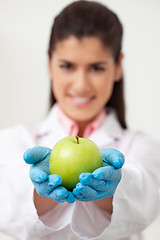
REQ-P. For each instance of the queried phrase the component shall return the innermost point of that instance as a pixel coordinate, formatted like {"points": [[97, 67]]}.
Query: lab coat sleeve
{"points": [[19, 217], [136, 200]]}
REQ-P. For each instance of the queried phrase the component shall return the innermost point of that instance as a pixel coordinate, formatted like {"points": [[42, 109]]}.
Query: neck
{"points": [[82, 126]]}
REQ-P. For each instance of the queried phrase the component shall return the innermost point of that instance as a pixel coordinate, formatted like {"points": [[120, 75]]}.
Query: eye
{"points": [[97, 68], [66, 66]]}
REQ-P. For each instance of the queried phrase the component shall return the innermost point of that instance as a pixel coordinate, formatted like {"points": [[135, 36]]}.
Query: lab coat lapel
{"points": [[109, 132], [50, 131]]}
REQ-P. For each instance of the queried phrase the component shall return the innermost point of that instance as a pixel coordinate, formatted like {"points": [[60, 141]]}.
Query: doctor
{"points": [[116, 201]]}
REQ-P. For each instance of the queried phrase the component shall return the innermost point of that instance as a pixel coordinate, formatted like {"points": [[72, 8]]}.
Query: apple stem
{"points": [[77, 137]]}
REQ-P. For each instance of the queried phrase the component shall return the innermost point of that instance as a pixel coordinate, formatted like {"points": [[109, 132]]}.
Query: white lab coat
{"points": [[135, 202]]}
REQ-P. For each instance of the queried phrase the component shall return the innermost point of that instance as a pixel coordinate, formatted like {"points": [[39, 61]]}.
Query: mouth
{"points": [[81, 101]]}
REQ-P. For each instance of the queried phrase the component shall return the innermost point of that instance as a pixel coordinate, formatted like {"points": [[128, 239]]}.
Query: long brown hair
{"points": [[86, 18]]}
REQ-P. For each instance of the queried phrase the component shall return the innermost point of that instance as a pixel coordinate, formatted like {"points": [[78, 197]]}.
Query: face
{"points": [[83, 74]]}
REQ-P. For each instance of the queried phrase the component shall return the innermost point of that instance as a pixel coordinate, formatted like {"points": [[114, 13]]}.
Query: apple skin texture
{"points": [[69, 159]]}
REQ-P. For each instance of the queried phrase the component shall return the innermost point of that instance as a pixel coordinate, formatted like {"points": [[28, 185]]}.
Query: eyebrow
{"points": [[101, 63], [92, 63]]}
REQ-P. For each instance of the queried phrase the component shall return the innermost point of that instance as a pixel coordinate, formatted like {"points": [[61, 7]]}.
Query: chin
{"points": [[83, 117]]}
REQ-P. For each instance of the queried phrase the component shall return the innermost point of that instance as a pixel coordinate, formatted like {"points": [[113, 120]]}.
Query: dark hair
{"points": [[84, 19]]}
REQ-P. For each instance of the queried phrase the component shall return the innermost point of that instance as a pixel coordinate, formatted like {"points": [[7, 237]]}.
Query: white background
{"points": [[24, 81]]}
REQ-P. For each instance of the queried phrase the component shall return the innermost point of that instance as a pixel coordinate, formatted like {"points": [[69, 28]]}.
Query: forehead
{"points": [[86, 48]]}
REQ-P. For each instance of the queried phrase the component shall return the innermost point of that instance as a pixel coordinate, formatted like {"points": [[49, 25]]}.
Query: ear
{"points": [[118, 72]]}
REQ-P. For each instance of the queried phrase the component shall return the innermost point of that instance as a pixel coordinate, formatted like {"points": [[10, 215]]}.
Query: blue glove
{"points": [[46, 185], [103, 182]]}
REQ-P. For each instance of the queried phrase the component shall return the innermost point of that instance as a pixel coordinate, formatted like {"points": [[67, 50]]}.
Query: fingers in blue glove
{"points": [[86, 193], [70, 198], [83, 190], [113, 157], [103, 182], [107, 173], [36, 154], [61, 194], [39, 158], [54, 180], [50, 188], [89, 180], [47, 186], [38, 175], [43, 189]]}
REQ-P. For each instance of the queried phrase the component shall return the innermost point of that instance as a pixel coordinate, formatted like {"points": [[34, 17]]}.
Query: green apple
{"points": [[72, 156]]}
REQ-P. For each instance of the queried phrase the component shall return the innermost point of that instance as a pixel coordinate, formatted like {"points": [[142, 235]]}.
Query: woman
{"points": [[85, 65]]}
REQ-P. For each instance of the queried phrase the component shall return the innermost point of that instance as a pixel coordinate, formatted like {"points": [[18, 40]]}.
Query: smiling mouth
{"points": [[81, 101]]}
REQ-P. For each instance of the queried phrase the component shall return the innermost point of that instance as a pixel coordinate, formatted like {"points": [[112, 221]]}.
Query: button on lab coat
{"points": [[135, 203]]}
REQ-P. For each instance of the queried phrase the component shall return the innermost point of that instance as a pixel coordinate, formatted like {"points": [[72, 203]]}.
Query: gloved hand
{"points": [[103, 182], [46, 184]]}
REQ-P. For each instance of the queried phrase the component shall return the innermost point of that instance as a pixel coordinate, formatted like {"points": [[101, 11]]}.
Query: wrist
{"points": [[43, 204], [105, 204]]}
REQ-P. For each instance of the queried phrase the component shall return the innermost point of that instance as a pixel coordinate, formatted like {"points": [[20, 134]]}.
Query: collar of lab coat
{"points": [[108, 132]]}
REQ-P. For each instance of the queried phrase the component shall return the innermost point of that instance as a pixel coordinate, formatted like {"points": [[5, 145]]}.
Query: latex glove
{"points": [[46, 184], [103, 182]]}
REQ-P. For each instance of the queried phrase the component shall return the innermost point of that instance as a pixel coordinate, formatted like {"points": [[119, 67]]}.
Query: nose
{"points": [[82, 82]]}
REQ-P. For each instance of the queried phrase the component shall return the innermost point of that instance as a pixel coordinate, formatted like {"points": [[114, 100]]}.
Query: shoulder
{"points": [[138, 139], [15, 134], [14, 141], [140, 147], [129, 138]]}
